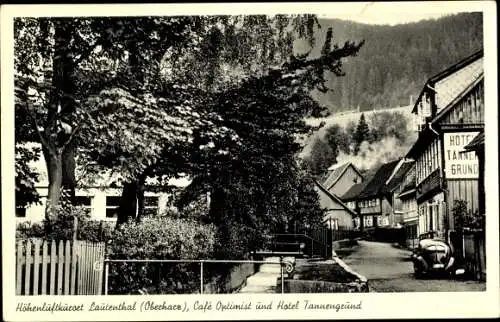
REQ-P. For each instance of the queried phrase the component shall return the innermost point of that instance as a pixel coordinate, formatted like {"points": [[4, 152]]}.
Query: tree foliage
{"points": [[160, 96], [362, 133], [397, 59]]}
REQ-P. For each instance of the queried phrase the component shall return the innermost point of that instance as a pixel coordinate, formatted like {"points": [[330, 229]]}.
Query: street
{"points": [[389, 269]]}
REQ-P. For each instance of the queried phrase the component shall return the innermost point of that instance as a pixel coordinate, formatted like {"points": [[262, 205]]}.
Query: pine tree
{"points": [[362, 133]]}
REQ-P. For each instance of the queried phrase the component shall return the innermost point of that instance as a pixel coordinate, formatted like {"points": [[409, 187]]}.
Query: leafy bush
{"points": [[465, 218], [159, 238], [28, 229], [236, 240], [60, 226]]}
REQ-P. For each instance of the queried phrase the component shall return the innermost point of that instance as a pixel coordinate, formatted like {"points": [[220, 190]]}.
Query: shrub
{"points": [[27, 230], [236, 240], [159, 238], [466, 218], [60, 226]]}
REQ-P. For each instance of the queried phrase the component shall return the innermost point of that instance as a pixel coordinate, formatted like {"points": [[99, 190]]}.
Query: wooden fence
{"points": [[59, 268], [474, 253]]}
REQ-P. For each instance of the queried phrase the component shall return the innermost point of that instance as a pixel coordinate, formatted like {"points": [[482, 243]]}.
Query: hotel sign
{"points": [[457, 163]]}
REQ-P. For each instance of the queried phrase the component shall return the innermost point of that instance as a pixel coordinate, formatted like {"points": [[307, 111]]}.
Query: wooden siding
{"points": [[345, 182], [430, 184], [463, 189], [410, 210], [430, 160], [386, 207], [469, 110]]}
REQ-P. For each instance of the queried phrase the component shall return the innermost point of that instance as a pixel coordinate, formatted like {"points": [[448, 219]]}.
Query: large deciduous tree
{"points": [[62, 64]]}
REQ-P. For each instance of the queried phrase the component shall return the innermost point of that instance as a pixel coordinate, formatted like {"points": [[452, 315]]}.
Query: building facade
{"points": [[371, 200], [450, 113], [336, 211], [405, 193], [98, 197], [340, 178]]}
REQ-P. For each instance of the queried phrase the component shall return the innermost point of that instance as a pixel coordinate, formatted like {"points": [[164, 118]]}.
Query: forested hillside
{"points": [[395, 60]]}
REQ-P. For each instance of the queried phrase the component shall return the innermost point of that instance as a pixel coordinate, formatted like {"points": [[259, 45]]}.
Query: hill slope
{"points": [[395, 60]]}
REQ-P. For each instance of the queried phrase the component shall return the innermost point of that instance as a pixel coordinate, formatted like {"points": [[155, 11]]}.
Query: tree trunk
{"points": [[128, 203], [68, 172], [140, 198], [61, 107], [55, 169], [217, 206]]}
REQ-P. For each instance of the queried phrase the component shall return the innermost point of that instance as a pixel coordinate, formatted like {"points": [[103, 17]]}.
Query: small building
{"points": [[99, 196], [371, 199], [375, 201], [337, 214], [340, 178], [450, 113], [394, 184], [405, 193], [350, 199]]}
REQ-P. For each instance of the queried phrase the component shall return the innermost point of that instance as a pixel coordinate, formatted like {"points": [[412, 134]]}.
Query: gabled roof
{"points": [[334, 197], [476, 143], [457, 99], [448, 71], [376, 186], [400, 173], [453, 68], [335, 173], [424, 137], [354, 191]]}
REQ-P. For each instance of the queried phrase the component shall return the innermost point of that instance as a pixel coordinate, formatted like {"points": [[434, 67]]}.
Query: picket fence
{"points": [[59, 268]]}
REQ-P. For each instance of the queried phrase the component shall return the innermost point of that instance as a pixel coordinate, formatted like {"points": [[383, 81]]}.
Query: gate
{"points": [[59, 268]]}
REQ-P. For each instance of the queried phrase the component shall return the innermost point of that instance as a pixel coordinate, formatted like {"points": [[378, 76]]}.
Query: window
{"points": [[333, 223], [150, 205], [368, 221], [84, 202], [20, 212], [112, 203]]}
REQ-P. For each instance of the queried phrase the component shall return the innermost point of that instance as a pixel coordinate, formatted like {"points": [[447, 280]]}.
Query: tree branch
{"points": [[71, 137], [43, 141]]}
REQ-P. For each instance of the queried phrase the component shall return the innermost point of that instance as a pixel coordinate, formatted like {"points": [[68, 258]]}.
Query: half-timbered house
{"points": [[450, 113]]}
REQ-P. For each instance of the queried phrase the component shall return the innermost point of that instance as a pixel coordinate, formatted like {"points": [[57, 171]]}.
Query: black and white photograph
{"points": [[257, 155]]}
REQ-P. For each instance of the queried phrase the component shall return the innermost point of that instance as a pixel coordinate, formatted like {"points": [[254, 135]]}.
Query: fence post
{"points": [[75, 228], [282, 276], [106, 276], [201, 277]]}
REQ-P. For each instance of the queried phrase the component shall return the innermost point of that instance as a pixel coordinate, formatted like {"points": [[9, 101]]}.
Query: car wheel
{"points": [[417, 272]]}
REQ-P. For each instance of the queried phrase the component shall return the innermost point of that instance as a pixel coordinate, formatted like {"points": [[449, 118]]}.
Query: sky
{"points": [[384, 13]]}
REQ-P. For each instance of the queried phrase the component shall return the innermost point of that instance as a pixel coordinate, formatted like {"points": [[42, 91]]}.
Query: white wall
{"points": [[36, 213]]}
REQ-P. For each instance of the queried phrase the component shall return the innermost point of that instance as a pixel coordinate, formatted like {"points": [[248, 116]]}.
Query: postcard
{"points": [[249, 161]]}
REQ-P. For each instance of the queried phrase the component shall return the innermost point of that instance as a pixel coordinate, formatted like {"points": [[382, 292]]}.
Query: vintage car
{"points": [[434, 256]]}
